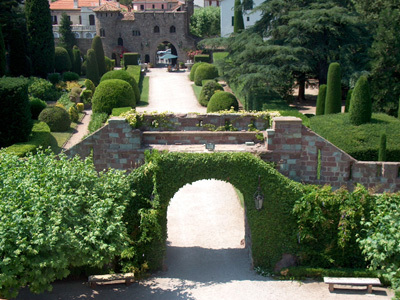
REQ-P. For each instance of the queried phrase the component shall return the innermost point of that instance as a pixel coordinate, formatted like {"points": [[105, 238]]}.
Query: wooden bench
{"points": [[369, 282], [127, 277]]}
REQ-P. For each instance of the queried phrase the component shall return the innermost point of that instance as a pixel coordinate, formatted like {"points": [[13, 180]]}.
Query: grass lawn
{"points": [[144, 91], [60, 138], [197, 90]]}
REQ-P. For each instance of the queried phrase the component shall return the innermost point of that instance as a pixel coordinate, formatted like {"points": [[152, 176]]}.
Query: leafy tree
{"points": [[20, 65], [360, 105], [97, 46], [320, 109], [333, 101], [40, 36], [92, 70], [67, 37], [382, 148], [76, 62], [205, 22], [2, 54], [238, 23]]}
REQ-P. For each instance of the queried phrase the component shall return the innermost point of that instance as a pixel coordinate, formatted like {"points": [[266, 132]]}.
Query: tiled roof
{"points": [[154, 1], [108, 6], [129, 16], [69, 4]]}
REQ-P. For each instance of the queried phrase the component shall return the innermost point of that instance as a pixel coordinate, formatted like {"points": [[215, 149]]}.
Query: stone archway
{"points": [[174, 45]]}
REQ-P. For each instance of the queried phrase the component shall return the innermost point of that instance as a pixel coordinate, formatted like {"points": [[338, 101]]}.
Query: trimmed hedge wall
{"points": [[208, 91], [131, 59], [202, 57], [193, 70], [205, 71]]}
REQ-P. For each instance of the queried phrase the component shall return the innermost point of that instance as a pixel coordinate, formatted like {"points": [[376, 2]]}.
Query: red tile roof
{"points": [[69, 4]]}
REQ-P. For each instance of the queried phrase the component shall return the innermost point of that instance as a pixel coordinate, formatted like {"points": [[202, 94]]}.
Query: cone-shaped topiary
{"points": [[398, 111], [90, 85], [77, 63], [56, 117], [92, 71], [222, 101], [112, 93], [238, 23], [125, 76], [320, 109], [193, 70], [361, 104], [348, 100], [333, 100], [208, 90], [97, 46], [205, 71], [382, 148], [2, 55], [73, 114]]}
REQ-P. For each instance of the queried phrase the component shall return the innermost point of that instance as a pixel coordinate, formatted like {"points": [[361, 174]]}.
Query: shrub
{"points": [[193, 70], [97, 46], [348, 100], [62, 61], [73, 114], [56, 117], [110, 64], [112, 93], [86, 96], [202, 58], [382, 148], [54, 78], [123, 75], [90, 85], [75, 94], [97, 120], [64, 101], [2, 55], [205, 71], [208, 90], [361, 105], [320, 109], [120, 110], [15, 113], [77, 62], [92, 71], [36, 106], [42, 89], [131, 59], [70, 76], [222, 101], [135, 72], [333, 101], [80, 107]]}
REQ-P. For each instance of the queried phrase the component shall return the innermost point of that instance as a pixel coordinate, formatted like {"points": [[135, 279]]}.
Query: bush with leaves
{"points": [[125, 76], [97, 46], [70, 76], [193, 70], [56, 117], [57, 213], [76, 60], [320, 110], [54, 78], [36, 106], [86, 96], [110, 63], [208, 90], [361, 105], [205, 71], [92, 71], [348, 100], [222, 101], [90, 85], [62, 61], [73, 114], [333, 100], [42, 89]]}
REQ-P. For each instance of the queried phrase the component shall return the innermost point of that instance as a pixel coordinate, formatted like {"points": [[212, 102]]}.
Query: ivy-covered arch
{"points": [[273, 229]]}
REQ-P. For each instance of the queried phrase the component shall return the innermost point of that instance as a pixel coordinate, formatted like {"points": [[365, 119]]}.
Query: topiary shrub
{"points": [[75, 94], [205, 71], [15, 113], [193, 70], [42, 89], [90, 85], [36, 106], [70, 76], [125, 76], [320, 109], [56, 117], [54, 78], [208, 90], [202, 57], [80, 107], [382, 148], [112, 93], [86, 96], [92, 71], [131, 59], [77, 62], [222, 101], [110, 63], [97, 46], [73, 114], [333, 101], [62, 61], [348, 100], [361, 105]]}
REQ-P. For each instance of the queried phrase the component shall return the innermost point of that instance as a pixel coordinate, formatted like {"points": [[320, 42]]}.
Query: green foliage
{"points": [[70, 76], [40, 137], [116, 112], [320, 109], [125, 76], [208, 90], [97, 46], [65, 101], [348, 100], [57, 213], [135, 72], [36, 106], [67, 37], [309, 272], [202, 58], [361, 142], [40, 36], [205, 22], [42, 89], [54, 78], [15, 114], [92, 71], [56, 117], [2, 54], [193, 70], [205, 71], [97, 121], [131, 59], [76, 60], [380, 237], [361, 106], [90, 85], [113, 93], [382, 148], [222, 101], [285, 110], [333, 100], [110, 63], [20, 65], [86, 96], [238, 23], [73, 114]]}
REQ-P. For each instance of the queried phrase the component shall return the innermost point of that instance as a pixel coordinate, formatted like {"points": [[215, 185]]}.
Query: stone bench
{"points": [[369, 282], [94, 279]]}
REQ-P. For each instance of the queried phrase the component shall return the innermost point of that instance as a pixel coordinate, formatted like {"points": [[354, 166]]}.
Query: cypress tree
{"points": [[238, 23], [348, 100], [19, 63], [398, 111], [40, 36], [92, 71], [333, 102], [97, 46], [361, 104], [321, 100], [67, 38], [76, 62], [2, 54], [382, 148]]}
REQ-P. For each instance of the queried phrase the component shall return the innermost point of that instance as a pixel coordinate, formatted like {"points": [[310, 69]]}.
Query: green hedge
{"points": [[205, 71], [222, 101], [120, 110], [361, 142], [131, 59], [126, 76], [208, 91], [97, 121], [56, 117], [202, 57], [193, 70]]}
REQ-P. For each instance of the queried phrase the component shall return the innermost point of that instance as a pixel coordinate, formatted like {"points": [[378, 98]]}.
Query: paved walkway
{"points": [[81, 130]]}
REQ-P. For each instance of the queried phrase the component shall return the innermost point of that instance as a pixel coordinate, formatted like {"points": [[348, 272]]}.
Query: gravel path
{"points": [[81, 130]]}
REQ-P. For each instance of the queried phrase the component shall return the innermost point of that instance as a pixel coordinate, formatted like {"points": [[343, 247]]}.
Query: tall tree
{"points": [[238, 23], [67, 37], [205, 22], [76, 62], [40, 36], [333, 100], [97, 46], [2, 54], [19, 62], [92, 70]]}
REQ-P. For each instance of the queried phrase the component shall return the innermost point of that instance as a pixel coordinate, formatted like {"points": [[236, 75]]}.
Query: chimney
{"points": [[75, 3]]}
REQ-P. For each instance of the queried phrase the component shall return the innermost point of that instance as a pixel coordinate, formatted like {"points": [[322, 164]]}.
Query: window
{"points": [[77, 35], [141, 7], [91, 19], [248, 19], [88, 35], [102, 32], [172, 29], [153, 6], [54, 20], [120, 42], [69, 18], [80, 20], [56, 35], [156, 29], [233, 21], [136, 32], [162, 6]]}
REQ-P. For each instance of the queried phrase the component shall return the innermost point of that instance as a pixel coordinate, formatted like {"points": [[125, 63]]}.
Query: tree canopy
{"points": [[205, 22]]}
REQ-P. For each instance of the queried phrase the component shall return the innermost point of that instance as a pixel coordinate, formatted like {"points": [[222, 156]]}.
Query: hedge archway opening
{"points": [[273, 229]]}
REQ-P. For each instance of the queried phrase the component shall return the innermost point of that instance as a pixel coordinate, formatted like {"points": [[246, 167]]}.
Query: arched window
{"points": [[91, 19], [156, 29], [56, 35], [162, 6], [120, 42], [77, 35], [88, 35], [172, 29], [136, 32], [102, 32]]}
